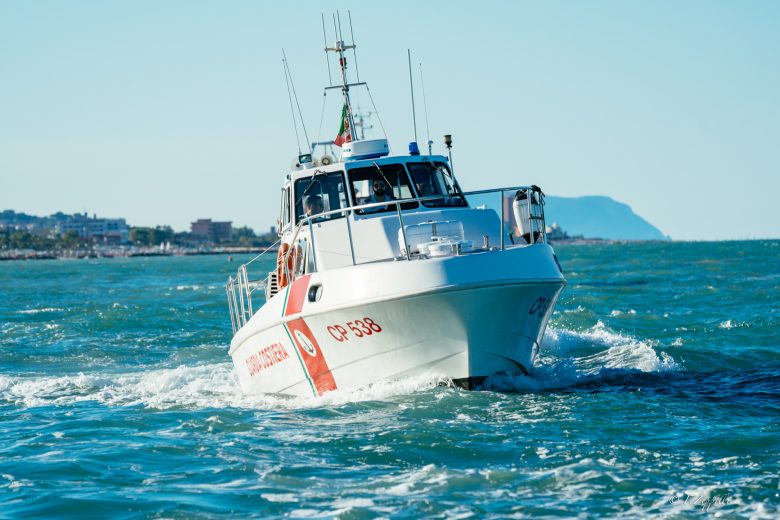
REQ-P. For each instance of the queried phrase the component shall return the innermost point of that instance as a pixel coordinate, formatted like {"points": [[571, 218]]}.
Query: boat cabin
{"points": [[378, 207]]}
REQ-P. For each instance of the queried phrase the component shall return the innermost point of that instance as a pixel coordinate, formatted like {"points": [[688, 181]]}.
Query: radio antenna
{"points": [[354, 51], [300, 114], [292, 110], [340, 48], [425, 105], [411, 87], [325, 39]]}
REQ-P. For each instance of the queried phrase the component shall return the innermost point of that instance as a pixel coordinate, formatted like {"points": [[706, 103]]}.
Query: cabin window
{"points": [[285, 216], [380, 183], [432, 179], [320, 194]]}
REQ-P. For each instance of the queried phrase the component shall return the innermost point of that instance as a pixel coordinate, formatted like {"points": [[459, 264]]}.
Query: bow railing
{"points": [[521, 221]]}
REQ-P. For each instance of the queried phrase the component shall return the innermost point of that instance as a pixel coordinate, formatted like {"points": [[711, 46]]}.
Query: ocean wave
{"points": [[732, 324], [569, 358], [41, 310], [194, 287], [201, 386], [197, 287]]}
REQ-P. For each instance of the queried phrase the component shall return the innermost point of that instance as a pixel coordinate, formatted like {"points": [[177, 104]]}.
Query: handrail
{"points": [[412, 199], [269, 248], [241, 305]]}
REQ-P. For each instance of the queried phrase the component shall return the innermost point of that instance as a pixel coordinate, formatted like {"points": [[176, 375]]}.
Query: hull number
{"points": [[354, 329]]}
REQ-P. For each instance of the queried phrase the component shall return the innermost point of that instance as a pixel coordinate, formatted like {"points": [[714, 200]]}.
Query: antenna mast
{"points": [[325, 39], [411, 87], [292, 110], [360, 122], [339, 48], [300, 114]]}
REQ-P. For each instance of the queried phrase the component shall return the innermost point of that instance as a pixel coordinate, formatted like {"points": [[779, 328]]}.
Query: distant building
{"points": [[13, 221], [113, 230], [555, 232], [211, 230]]}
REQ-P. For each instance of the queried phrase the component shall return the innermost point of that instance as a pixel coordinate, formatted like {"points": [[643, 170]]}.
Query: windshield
{"points": [[434, 179], [319, 194], [381, 183]]}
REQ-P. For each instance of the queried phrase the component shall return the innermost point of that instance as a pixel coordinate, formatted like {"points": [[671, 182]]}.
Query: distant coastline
{"points": [[124, 252], [135, 252], [30, 237]]}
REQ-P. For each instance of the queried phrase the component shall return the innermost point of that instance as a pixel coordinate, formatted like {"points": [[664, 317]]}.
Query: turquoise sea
{"points": [[657, 395]]}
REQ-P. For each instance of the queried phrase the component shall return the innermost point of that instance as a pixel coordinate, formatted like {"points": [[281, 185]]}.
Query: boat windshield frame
{"points": [[328, 187], [438, 177], [393, 175]]}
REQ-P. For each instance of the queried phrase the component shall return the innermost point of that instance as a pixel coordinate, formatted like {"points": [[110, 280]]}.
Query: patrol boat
{"points": [[386, 269]]}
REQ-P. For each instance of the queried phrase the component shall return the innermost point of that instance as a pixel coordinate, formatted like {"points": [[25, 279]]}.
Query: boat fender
{"points": [[281, 272], [326, 160]]}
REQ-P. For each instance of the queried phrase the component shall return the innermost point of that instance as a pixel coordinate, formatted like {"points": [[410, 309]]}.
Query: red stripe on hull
{"points": [[297, 294], [311, 353]]}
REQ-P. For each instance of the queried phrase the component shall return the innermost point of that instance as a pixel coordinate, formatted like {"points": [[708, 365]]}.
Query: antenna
{"points": [[425, 105], [292, 111], [354, 51], [300, 114], [411, 87], [339, 48], [325, 39], [360, 122]]}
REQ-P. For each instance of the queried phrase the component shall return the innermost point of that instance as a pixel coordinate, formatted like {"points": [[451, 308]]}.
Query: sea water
{"points": [[657, 393]]}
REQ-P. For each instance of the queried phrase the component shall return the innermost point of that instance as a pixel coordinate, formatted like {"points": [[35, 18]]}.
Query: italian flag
{"points": [[344, 134]]}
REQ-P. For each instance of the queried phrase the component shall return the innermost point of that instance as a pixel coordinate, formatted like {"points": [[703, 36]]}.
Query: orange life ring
{"points": [[281, 272]]}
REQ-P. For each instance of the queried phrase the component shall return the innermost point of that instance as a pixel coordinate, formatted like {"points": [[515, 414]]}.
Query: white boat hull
{"points": [[477, 325]]}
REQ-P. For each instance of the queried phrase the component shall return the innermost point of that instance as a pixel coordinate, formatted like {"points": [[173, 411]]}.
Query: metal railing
{"points": [[240, 288]]}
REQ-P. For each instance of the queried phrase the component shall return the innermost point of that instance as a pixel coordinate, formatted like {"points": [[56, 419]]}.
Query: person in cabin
{"points": [[380, 193], [313, 205]]}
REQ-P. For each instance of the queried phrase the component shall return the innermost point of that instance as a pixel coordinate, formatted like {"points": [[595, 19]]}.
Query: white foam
{"points": [[196, 287], [728, 324], [280, 497], [622, 351], [568, 357], [201, 386], [416, 481], [189, 287], [42, 309]]}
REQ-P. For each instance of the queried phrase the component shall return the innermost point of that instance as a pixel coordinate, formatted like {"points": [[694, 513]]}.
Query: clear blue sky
{"points": [[165, 112]]}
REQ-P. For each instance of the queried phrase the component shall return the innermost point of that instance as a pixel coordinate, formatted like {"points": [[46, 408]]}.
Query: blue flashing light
{"points": [[413, 148]]}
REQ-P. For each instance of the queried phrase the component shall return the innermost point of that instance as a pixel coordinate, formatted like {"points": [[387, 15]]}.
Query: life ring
{"points": [[281, 272]]}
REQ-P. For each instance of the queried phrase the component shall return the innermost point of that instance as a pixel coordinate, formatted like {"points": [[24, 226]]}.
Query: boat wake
{"points": [[568, 359], [192, 387], [572, 358]]}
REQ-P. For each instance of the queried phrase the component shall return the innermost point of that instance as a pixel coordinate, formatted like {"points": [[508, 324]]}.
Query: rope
{"points": [[378, 117], [322, 115]]}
